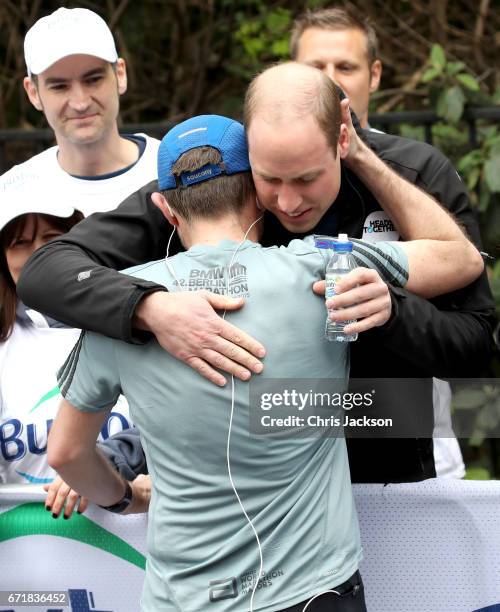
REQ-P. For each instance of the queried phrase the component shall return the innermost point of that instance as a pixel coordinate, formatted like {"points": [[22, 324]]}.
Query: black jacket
{"points": [[450, 336]]}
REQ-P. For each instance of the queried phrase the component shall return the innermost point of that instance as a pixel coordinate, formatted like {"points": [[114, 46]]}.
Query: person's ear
{"points": [[375, 74], [121, 75], [160, 202], [343, 144], [32, 92], [257, 203]]}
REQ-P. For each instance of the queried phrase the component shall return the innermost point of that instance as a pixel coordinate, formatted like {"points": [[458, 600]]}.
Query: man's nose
{"points": [[329, 70], [80, 98], [289, 199]]}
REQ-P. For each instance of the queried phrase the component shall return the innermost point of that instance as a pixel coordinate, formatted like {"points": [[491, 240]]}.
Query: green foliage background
{"points": [[191, 56]]}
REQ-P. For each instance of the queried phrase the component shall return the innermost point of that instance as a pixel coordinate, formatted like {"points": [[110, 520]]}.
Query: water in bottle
{"points": [[340, 264]]}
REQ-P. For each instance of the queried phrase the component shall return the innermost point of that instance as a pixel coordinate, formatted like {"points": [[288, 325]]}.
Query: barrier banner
{"points": [[97, 557], [432, 546]]}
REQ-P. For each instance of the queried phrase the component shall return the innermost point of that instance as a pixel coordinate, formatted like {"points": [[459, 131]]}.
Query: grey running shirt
{"points": [[202, 552]]}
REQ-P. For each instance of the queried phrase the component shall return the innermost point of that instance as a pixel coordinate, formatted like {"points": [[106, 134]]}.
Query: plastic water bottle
{"points": [[340, 264]]}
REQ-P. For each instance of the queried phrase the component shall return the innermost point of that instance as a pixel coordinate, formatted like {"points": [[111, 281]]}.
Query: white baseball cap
{"points": [[27, 193], [67, 32], [24, 207]]}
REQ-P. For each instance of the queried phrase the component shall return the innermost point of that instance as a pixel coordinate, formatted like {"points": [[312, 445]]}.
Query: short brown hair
{"points": [[209, 199], [8, 295], [323, 102], [334, 19]]}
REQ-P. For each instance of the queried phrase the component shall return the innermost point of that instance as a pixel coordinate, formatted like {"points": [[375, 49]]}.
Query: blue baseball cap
{"points": [[224, 134]]}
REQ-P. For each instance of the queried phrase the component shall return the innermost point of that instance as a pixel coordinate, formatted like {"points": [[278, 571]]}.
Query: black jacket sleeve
{"points": [[74, 278], [435, 342], [451, 335]]}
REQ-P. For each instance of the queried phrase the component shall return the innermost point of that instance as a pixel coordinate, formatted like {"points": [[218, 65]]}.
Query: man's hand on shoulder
{"points": [[362, 296], [186, 325]]}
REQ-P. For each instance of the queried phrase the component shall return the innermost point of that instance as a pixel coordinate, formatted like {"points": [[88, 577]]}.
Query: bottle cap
{"points": [[342, 244]]}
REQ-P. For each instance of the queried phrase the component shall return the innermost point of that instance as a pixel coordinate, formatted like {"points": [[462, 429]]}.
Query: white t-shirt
{"points": [[447, 454], [30, 398], [87, 195]]}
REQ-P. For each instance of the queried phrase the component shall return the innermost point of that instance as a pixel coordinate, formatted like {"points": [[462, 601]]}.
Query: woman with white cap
{"points": [[32, 346]]}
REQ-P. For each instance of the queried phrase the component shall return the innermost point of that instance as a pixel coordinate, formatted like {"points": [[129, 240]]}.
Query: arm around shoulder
{"points": [[440, 266]]}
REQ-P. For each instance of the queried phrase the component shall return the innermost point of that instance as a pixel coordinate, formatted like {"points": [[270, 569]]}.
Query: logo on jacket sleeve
{"points": [[378, 226]]}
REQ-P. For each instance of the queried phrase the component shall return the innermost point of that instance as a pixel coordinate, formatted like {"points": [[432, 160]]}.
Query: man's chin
{"points": [[297, 227], [82, 138], [85, 135]]}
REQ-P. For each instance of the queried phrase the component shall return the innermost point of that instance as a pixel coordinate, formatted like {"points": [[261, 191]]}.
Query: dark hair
{"points": [[13, 229], [334, 19], [214, 198], [322, 101]]}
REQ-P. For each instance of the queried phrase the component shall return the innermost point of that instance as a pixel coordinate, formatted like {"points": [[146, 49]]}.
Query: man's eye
{"points": [[306, 179], [346, 68], [95, 79], [57, 87]]}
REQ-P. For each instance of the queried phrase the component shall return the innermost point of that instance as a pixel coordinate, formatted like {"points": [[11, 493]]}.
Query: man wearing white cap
{"points": [[76, 78]]}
